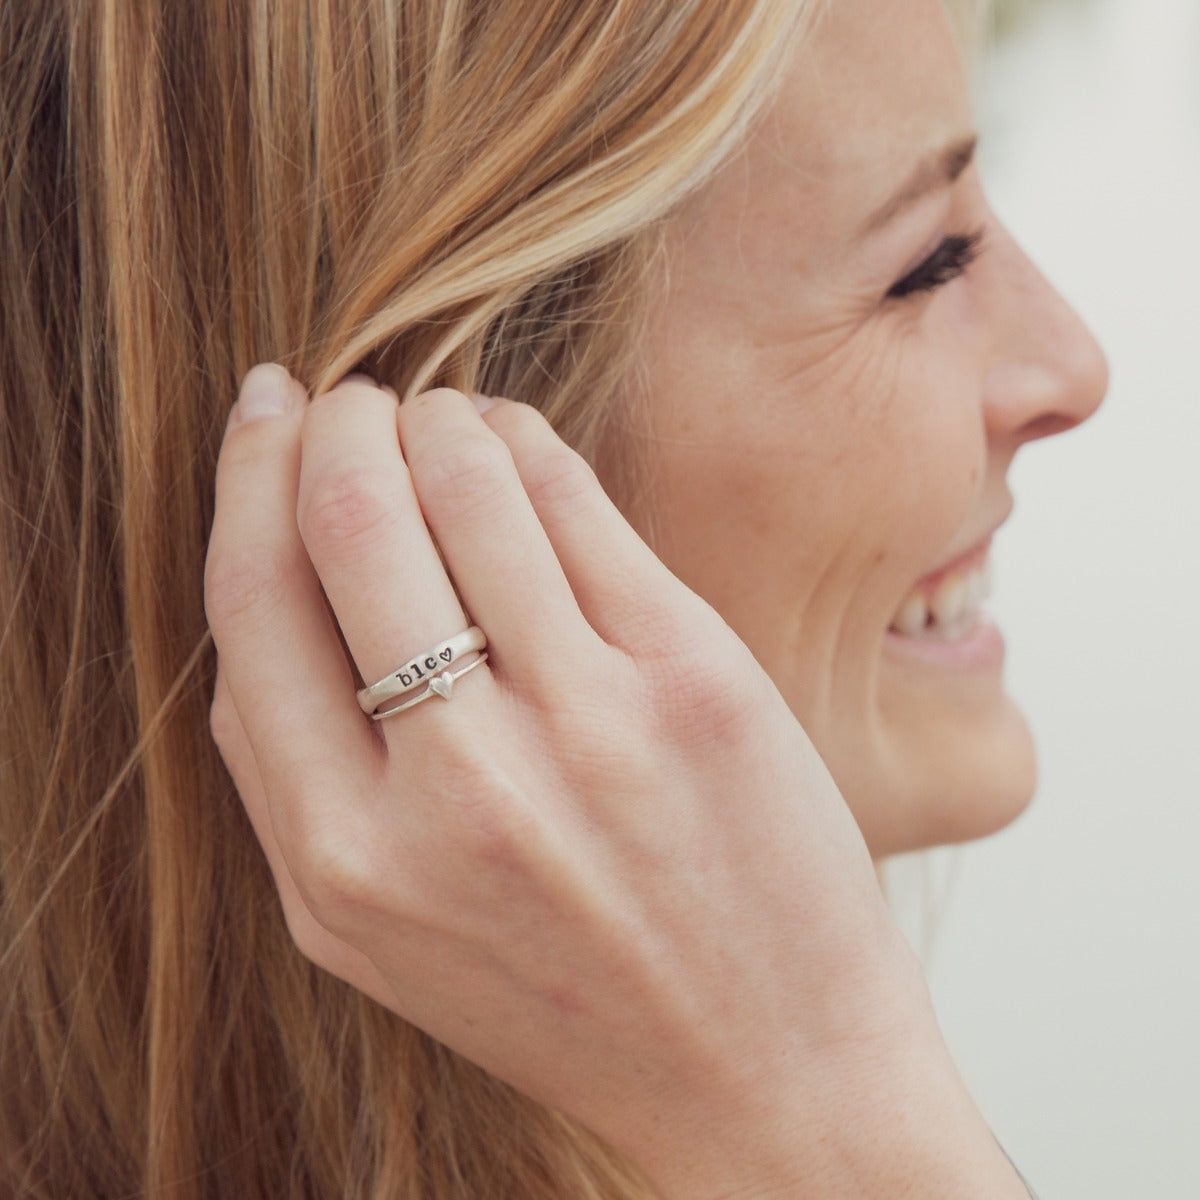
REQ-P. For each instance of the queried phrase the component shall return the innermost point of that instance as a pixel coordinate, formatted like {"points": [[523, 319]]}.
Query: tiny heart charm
{"points": [[441, 684]]}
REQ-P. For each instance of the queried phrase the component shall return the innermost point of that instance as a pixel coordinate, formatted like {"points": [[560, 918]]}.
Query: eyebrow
{"points": [[938, 170]]}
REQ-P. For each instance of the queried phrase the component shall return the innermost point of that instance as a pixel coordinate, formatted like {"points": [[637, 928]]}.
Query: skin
{"points": [[818, 448], [613, 870], [547, 873]]}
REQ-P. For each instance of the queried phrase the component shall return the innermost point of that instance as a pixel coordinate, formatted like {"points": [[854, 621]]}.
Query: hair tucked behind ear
{"points": [[460, 192]]}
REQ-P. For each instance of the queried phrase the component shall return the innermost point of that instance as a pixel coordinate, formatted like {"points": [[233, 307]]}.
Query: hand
{"points": [[611, 869]]}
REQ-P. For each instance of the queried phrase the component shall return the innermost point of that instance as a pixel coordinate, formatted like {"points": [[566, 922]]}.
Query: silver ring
{"points": [[441, 684], [420, 669]]}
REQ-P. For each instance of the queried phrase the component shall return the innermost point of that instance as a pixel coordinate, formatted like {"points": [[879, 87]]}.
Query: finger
{"points": [[623, 589], [494, 545], [365, 534], [312, 939], [287, 673]]}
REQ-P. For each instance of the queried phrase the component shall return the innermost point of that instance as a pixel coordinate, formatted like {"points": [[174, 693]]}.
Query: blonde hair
{"points": [[462, 192]]}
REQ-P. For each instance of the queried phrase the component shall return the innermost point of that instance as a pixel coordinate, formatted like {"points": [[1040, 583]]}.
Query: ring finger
{"points": [[364, 531]]}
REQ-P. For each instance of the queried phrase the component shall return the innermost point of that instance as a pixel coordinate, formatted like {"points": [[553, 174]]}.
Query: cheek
{"points": [[923, 464], [805, 505], [896, 460]]}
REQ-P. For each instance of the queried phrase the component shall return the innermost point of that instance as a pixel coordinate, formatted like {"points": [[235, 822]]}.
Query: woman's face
{"points": [[849, 352]]}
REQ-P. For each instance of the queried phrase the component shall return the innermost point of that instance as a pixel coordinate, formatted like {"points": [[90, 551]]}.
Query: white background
{"points": [[1065, 958]]}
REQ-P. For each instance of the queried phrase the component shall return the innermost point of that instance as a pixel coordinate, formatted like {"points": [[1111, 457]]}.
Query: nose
{"points": [[1048, 373]]}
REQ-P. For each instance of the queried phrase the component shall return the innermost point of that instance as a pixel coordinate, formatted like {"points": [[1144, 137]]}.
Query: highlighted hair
{"points": [[462, 192]]}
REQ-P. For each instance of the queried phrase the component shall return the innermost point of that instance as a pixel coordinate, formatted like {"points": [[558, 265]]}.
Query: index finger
{"points": [[288, 676]]}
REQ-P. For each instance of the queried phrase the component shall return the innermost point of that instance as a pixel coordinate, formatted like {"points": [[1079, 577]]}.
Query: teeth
{"points": [[950, 612], [913, 617], [950, 600]]}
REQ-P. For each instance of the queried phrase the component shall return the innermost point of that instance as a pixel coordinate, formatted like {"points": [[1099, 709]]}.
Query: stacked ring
{"points": [[420, 669], [440, 685]]}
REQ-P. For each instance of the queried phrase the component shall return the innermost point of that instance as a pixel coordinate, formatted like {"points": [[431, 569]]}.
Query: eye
{"points": [[947, 262]]}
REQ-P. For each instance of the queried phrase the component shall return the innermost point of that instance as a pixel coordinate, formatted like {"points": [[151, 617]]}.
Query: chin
{"points": [[950, 782]]}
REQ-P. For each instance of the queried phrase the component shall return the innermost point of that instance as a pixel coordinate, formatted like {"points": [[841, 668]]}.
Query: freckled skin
{"points": [[818, 447]]}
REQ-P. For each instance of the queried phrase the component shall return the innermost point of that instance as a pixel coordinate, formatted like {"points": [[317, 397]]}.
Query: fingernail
{"points": [[483, 403], [267, 391]]}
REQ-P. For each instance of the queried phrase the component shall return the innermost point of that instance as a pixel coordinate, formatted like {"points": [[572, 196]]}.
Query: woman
{"points": [[738, 255]]}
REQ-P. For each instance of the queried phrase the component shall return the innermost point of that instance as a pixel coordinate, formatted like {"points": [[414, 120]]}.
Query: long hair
{"points": [[462, 192]]}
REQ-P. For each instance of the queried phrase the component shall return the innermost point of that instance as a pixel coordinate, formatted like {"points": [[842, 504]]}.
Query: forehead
{"points": [[878, 86], [880, 80]]}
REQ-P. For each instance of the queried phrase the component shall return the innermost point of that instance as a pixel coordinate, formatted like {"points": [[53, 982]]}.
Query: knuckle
{"points": [[710, 699], [492, 820], [500, 833], [349, 506], [244, 580], [224, 725], [558, 477], [309, 937], [464, 477], [334, 878]]}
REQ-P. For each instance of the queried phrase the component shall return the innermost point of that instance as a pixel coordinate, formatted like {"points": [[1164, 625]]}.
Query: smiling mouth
{"points": [[948, 605]]}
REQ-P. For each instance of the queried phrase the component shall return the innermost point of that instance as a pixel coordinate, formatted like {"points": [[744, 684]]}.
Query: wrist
{"points": [[877, 1114], [919, 1136]]}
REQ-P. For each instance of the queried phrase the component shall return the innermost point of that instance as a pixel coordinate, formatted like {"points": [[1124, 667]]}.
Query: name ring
{"points": [[420, 669]]}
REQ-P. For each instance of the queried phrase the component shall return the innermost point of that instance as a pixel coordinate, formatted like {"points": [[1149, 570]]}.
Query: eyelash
{"points": [[946, 263]]}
